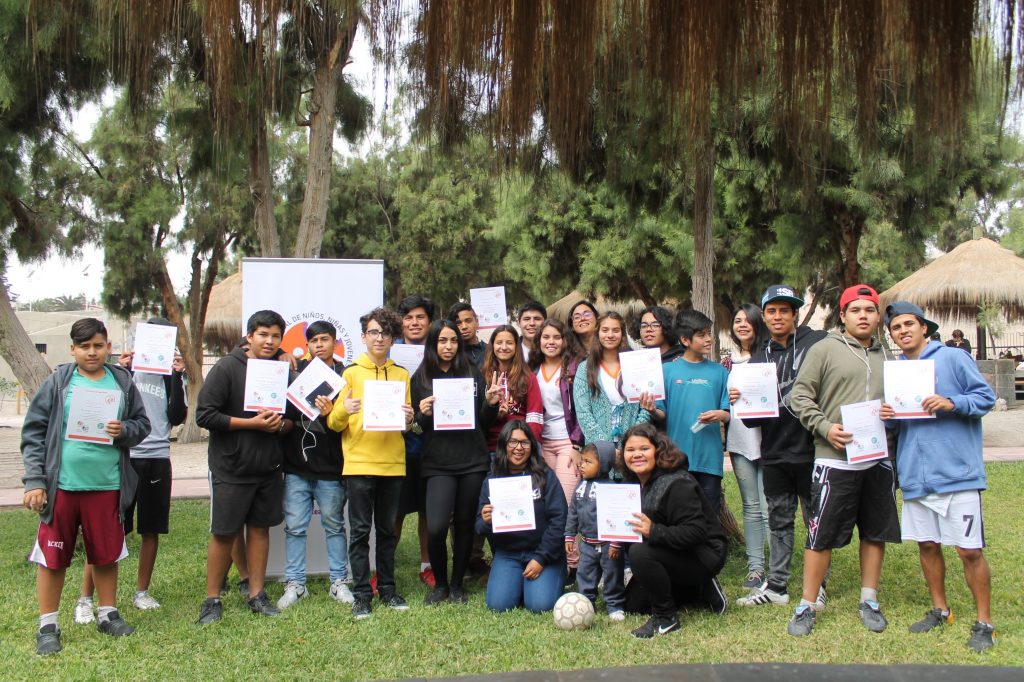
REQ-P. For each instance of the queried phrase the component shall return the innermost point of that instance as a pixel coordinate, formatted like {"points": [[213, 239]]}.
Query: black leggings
{"points": [[451, 501], [664, 579]]}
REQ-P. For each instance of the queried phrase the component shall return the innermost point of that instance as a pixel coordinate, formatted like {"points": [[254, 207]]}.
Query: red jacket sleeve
{"points": [[534, 406]]}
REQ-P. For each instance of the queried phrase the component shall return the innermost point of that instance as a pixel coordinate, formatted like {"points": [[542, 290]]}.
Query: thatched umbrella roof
{"points": [[629, 309], [224, 314], [975, 273]]}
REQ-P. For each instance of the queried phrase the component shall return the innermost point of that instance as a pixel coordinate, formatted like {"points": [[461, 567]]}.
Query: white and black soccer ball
{"points": [[573, 611]]}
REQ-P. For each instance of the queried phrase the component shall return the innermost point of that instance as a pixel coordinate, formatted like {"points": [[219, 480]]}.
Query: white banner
{"points": [[304, 291]]}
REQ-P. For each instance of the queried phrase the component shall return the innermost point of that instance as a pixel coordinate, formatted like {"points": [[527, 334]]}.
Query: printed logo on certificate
{"points": [[642, 373], [759, 390], [907, 384], [616, 505], [454, 404], [868, 430], [489, 305], [316, 380], [511, 500], [89, 412], [266, 385], [154, 349], [382, 405]]}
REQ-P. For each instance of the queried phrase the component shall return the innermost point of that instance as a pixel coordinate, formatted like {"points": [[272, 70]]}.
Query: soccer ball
{"points": [[573, 611]]}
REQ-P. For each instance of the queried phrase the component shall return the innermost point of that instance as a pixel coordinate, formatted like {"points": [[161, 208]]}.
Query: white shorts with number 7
{"points": [[959, 526]]}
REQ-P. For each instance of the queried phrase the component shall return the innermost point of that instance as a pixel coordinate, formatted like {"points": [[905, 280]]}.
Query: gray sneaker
{"points": [[871, 616], [934, 618], [293, 592], [802, 623], [210, 612], [983, 637], [754, 581], [48, 640], [261, 604]]}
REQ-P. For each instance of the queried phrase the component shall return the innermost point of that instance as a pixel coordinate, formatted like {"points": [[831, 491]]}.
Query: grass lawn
{"points": [[318, 637]]}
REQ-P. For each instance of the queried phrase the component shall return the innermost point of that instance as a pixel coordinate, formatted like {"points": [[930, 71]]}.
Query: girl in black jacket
{"points": [[683, 546]]}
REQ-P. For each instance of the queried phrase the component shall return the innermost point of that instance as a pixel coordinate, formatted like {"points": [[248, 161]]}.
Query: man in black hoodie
{"points": [[245, 455], [787, 448]]}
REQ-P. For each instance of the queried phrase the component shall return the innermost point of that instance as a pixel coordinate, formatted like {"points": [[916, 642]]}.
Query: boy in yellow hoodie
{"points": [[374, 461]]}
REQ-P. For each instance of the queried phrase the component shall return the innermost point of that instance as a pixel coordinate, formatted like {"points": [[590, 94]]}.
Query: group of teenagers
{"points": [[549, 406]]}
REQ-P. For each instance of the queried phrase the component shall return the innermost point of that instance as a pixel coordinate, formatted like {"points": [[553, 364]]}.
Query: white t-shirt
{"points": [[740, 440], [554, 411], [610, 386]]}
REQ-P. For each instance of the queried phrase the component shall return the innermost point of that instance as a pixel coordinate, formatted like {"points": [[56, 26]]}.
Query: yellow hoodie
{"points": [[368, 453]]}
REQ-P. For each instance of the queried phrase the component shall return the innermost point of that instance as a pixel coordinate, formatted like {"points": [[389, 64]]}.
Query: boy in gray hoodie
{"points": [[597, 558]]}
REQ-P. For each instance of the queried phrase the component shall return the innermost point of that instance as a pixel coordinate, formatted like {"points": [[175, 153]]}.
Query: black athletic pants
{"points": [[451, 502]]}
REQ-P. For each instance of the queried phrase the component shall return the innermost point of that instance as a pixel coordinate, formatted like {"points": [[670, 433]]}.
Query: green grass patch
{"points": [[318, 637]]}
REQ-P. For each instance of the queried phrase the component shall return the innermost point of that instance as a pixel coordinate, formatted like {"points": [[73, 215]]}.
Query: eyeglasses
{"points": [[577, 317], [653, 326], [518, 444], [378, 334]]}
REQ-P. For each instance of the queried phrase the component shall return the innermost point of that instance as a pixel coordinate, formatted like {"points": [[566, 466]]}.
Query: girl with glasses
{"points": [[654, 329], [582, 324]]}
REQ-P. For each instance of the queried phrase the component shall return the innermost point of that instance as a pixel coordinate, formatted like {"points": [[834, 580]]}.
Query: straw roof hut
{"points": [[224, 314], [957, 284], [629, 309]]}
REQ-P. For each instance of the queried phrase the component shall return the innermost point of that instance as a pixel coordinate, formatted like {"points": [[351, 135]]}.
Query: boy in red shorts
{"points": [[77, 474]]}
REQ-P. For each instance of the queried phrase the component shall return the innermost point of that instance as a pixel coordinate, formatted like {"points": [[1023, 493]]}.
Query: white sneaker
{"points": [[822, 601], [293, 592], [144, 601], [341, 593], [763, 597], [83, 611], [617, 616]]}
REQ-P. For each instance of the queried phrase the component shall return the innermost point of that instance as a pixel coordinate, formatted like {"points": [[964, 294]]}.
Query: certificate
{"points": [[616, 504], [89, 412], [407, 355], [642, 373], [154, 348], [907, 384], [489, 306], [454, 404], [382, 405], [861, 420], [759, 390], [266, 383], [512, 499], [316, 380]]}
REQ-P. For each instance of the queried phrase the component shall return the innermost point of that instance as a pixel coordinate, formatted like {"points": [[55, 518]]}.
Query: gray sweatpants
{"points": [[595, 562]]}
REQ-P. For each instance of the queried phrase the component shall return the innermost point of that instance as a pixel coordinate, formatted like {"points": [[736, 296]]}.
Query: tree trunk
{"points": [[326, 79], [261, 186], [18, 350], [703, 292], [851, 228]]}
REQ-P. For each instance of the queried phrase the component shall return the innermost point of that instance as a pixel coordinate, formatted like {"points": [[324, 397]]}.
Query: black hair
{"points": [[321, 327], [460, 307], [664, 317], [689, 322], [667, 455], [86, 328], [756, 320], [161, 321], [414, 301], [536, 306], [386, 318], [535, 465], [577, 348], [264, 318], [430, 368]]}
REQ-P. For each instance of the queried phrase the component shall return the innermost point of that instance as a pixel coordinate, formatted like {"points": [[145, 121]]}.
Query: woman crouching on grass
{"points": [[683, 546], [528, 568]]}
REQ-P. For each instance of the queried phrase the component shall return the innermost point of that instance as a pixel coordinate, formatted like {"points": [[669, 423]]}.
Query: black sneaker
{"points": [[243, 589], [114, 625], [983, 637], [261, 604], [657, 625], [438, 595], [224, 587], [458, 596], [934, 618], [717, 601], [48, 640], [394, 601], [210, 612], [361, 608], [570, 577]]}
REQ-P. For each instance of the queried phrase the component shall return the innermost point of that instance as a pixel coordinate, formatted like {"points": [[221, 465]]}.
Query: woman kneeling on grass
{"points": [[528, 568], [683, 546]]}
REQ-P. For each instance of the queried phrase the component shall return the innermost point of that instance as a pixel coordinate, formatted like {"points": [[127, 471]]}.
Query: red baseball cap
{"points": [[858, 292]]}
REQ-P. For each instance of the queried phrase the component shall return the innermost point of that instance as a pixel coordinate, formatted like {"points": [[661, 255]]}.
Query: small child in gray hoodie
{"points": [[597, 558]]}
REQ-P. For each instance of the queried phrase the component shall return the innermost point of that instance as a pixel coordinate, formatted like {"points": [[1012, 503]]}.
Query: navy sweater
{"points": [[545, 543]]}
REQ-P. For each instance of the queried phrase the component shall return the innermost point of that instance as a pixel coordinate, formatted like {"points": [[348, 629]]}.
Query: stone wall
{"points": [[999, 374]]}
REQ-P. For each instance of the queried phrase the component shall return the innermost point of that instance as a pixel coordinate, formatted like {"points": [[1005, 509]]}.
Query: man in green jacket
{"points": [[845, 369]]}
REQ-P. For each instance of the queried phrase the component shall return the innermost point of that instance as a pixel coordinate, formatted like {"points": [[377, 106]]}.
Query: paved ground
{"points": [[1004, 441]]}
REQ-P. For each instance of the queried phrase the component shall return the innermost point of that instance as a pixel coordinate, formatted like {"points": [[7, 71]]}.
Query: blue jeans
{"points": [[299, 494], [508, 589], [750, 479]]}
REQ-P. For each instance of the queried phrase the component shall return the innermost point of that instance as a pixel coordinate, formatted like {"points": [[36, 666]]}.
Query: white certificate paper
{"points": [[616, 504], [90, 410], [154, 348], [316, 380], [407, 355], [266, 383], [489, 306], [454, 404], [512, 499], [861, 419], [642, 373], [907, 384], [759, 390], [382, 405]]}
